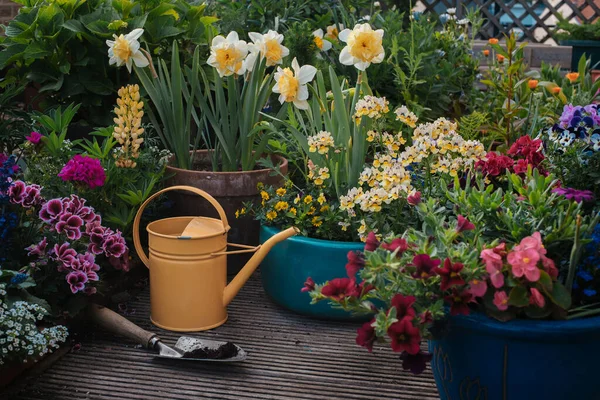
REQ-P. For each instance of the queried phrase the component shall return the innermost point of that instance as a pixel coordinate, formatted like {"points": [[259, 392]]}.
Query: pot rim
{"points": [[535, 329], [271, 230], [223, 173]]}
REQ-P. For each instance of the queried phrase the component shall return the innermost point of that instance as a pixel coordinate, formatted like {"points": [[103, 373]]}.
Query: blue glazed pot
{"points": [[285, 269], [481, 358]]}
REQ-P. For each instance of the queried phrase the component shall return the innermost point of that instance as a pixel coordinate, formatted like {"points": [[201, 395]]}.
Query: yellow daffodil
{"points": [[291, 85], [227, 55], [268, 46], [322, 44], [363, 46], [125, 49]]}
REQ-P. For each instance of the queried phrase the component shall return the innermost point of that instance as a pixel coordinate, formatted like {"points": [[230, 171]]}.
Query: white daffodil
{"points": [[363, 46], [268, 46], [125, 49], [322, 44], [291, 85], [333, 32], [227, 55]]}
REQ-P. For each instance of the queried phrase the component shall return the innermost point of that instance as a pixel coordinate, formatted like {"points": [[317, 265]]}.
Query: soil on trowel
{"points": [[227, 350]]}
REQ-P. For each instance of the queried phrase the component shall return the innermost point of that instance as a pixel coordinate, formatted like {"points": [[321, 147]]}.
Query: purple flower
{"points": [[16, 192], [574, 194], [32, 196], [34, 137], [114, 245], [51, 211], [121, 263], [76, 280], [86, 263], [70, 225], [76, 206], [64, 254], [96, 233], [38, 249], [84, 169]]}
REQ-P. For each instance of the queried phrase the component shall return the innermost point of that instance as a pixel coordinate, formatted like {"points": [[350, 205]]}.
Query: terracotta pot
{"points": [[595, 74], [231, 190]]}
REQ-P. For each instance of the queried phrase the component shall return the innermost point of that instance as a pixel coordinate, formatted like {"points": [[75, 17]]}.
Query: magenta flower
{"points": [[371, 243], [478, 287], [64, 254], [574, 194], [84, 169], [114, 245], [464, 224], [70, 225], [32, 196], [51, 211], [414, 199], [356, 260], [365, 336], [16, 192], [459, 302], [405, 336], [524, 262], [404, 306], [501, 300], [426, 267], [34, 137], [340, 288], [76, 206], [399, 244], [38, 249], [86, 263], [121, 263], [450, 274], [309, 285], [76, 280], [96, 233]]}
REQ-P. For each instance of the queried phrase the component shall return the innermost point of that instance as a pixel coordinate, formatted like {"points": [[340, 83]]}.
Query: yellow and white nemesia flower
{"points": [[268, 46], [291, 84], [405, 115], [363, 46], [227, 55], [321, 142], [125, 49], [322, 44]]}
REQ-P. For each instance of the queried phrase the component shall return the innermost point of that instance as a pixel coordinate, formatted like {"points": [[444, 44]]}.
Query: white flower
{"points": [[323, 45], [376, 4], [451, 11], [291, 85], [268, 46], [333, 32], [227, 55], [363, 46], [126, 50], [464, 21]]}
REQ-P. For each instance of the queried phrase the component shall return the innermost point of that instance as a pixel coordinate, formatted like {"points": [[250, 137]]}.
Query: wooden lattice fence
{"points": [[534, 20]]}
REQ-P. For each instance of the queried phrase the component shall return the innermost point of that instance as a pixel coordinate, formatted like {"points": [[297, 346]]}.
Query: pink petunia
{"points": [[501, 300]]}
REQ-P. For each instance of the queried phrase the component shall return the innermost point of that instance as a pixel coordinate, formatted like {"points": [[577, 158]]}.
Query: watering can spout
{"points": [[240, 279]]}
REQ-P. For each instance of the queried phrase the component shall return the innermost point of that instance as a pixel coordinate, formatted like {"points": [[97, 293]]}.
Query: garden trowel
{"points": [[186, 348]]}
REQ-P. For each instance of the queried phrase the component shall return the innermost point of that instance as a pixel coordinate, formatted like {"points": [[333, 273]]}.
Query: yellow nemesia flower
{"points": [[321, 199]]}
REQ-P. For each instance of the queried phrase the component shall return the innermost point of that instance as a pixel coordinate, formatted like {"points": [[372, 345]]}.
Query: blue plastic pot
{"points": [[481, 358], [285, 269]]}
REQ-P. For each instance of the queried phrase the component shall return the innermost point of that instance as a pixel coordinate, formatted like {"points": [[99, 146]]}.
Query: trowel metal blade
{"points": [[186, 348]]}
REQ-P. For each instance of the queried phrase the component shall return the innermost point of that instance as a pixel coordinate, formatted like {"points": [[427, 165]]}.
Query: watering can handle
{"points": [[138, 216]]}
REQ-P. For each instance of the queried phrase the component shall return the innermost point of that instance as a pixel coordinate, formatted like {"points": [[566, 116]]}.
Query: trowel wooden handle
{"points": [[119, 325]]}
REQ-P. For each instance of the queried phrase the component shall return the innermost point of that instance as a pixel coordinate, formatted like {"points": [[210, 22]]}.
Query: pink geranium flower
{"points": [[34, 137], [524, 262], [501, 300], [84, 169]]}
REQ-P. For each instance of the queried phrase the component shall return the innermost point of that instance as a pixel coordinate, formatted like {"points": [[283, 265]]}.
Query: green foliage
{"points": [[14, 121], [470, 127], [59, 47], [299, 39], [568, 31]]}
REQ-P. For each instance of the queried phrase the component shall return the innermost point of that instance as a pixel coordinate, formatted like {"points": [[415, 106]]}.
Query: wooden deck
{"points": [[289, 357]]}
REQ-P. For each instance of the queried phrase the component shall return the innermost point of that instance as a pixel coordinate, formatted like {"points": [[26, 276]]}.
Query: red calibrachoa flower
{"points": [[414, 199], [397, 244], [356, 260], [426, 266], [309, 285], [366, 335], [459, 302], [404, 305], [464, 224], [450, 274], [340, 288], [416, 363], [405, 336], [371, 244], [364, 288]]}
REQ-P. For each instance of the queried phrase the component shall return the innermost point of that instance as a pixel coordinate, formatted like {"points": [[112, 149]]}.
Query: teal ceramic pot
{"points": [[285, 269]]}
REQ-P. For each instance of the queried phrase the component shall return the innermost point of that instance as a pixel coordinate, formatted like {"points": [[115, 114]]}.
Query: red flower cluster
{"points": [[340, 288], [495, 164], [526, 151], [405, 336]]}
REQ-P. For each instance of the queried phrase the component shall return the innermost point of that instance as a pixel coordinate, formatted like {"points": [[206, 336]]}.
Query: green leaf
{"points": [[518, 297], [561, 296], [545, 281]]}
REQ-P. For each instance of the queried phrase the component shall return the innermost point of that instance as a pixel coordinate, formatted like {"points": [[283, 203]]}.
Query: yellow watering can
{"points": [[188, 267]]}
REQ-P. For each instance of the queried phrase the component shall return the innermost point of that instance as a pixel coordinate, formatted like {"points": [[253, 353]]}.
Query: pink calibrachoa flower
{"points": [[76, 280], [478, 287], [371, 243], [464, 224], [414, 199], [404, 306], [459, 302], [84, 169], [501, 300], [524, 262], [450, 274], [426, 267], [340, 288], [34, 137], [537, 298], [405, 336], [309, 285], [356, 260], [366, 336]]}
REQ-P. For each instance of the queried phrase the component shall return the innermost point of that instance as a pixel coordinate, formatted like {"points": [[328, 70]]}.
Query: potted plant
{"points": [[489, 282], [584, 38]]}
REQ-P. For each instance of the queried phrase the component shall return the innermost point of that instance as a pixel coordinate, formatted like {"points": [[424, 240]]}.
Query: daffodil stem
{"points": [[150, 64]]}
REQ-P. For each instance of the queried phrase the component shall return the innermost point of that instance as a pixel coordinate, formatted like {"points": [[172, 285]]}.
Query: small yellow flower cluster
{"points": [[408, 117], [372, 107], [392, 142], [128, 125], [321, 142], [319, 176], [240, 212], [440, 138]]}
